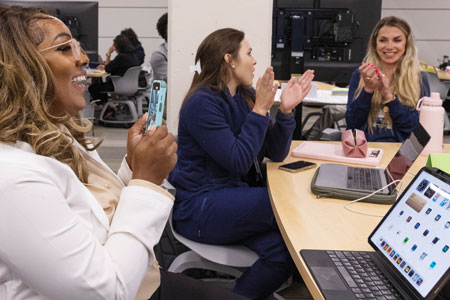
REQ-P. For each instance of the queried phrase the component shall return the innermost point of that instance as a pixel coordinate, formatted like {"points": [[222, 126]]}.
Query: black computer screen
{"points": [[329, 36]]}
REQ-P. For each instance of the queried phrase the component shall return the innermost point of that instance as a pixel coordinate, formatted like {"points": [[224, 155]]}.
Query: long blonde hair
{"points": [[27, 92], [406, 80]]}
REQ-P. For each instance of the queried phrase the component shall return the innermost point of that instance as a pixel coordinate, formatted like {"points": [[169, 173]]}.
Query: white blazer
{"points": [[55, 239]]}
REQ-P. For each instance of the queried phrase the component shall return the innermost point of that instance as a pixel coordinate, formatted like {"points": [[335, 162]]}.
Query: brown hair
{"points": [[27, 93], [215, 72]]}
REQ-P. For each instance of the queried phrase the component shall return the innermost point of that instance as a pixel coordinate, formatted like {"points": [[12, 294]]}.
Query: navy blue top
{"points": [[404, 118], [219, 137]]}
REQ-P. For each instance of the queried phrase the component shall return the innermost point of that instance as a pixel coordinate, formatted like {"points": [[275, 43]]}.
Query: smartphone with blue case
{"points": [[156, 104]]}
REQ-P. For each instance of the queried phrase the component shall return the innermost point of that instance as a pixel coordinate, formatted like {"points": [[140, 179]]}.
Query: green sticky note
{"points": [[440, 161]]}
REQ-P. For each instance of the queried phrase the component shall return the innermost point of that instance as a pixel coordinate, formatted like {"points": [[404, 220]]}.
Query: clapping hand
{"points": [[265, 92], [374, 79], [294, 93]]}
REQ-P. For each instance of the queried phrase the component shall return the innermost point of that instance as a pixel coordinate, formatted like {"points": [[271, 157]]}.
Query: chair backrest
{"points": [[438, 86], [128, 84]]}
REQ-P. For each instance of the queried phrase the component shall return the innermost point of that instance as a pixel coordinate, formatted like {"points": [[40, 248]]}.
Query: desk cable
{"points": [[371, 194]]}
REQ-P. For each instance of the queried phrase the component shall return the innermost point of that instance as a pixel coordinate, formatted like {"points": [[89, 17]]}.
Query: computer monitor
{"points": [[329, 36], [80, 17]]}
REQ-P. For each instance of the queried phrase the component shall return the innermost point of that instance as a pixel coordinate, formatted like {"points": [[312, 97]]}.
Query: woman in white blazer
{"points": [[69, 227]]}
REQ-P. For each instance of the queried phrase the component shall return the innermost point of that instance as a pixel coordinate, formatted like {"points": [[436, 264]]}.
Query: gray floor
{"points": [[113, 149]]}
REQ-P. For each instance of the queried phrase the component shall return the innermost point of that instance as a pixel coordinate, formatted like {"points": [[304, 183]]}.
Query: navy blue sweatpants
{"points": [[240, 215]]}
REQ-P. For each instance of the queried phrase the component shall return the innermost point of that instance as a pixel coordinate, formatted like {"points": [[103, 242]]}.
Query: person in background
{"points": [[133, 38], [385, 89], [158, 60], [70, 228], [224, 129], [124, 60]]}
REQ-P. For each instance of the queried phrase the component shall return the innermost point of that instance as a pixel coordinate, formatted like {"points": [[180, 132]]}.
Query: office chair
{"points": [[126, 104]]}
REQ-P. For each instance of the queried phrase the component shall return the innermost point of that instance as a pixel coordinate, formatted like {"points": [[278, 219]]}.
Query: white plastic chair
{"points": [[225, 259], [220, 258]]}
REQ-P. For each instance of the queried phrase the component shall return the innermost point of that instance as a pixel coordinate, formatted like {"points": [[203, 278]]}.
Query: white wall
{"points": [[194, 21], [430, 23], [429, 19]]}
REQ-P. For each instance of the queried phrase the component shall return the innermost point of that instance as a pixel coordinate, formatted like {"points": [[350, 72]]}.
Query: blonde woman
{"points": [[384, 90], [69, 227]]}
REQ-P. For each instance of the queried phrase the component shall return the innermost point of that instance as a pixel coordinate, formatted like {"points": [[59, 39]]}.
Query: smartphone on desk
{"points": [[156, 104], [297, 166]]}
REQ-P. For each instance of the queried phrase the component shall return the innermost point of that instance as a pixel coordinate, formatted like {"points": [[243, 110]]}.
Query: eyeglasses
{"points": [[74, 47]]}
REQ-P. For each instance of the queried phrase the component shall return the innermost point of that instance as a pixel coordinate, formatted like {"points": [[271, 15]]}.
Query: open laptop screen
{"points": [[415, 236], [408, 153]]}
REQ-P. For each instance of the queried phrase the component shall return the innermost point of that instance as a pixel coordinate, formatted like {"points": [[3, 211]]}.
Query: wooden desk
{"points": [[95, 73], [442, 75], [307, 222]]}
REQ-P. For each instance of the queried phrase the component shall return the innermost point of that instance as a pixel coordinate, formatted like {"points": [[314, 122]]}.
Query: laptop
{"points": [[372, 179], [411, 258]]}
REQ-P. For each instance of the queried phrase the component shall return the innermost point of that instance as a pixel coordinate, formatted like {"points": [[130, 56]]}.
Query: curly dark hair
{"points": [[123, 44], [131, 35], [161, 26]]}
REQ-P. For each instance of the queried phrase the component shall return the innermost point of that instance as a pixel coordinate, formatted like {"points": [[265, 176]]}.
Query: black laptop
{"points": [[411, 258]]}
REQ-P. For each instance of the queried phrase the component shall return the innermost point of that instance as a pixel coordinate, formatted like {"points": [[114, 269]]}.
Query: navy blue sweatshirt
{"points": [[404, 118], [219, 137]]}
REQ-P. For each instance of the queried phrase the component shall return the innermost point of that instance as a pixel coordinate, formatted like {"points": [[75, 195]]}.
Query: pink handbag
{"points": [[354, 143]]}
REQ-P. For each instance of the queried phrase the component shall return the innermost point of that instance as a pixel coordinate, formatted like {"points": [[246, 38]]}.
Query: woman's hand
{"points": [[384, 87], [154, 156], [265, 92], [135, 135], [369, 76], [150, 155], [295, 92]]}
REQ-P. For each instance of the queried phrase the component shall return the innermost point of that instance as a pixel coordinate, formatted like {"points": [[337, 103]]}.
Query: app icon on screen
{"points": [[402, 265], [433, 264], [447, 225], [436, 197], [445, 249], [438, 217], [417, 225], [425, 233], [405, 240], [399, 260], [411, 273], [395, 257], [443, 202], [419, 281], [435, 240], [408, 219], [414, 247], [422, 185], [407, 269], [423, 255], [428, 211], [429, 193], [415, 277], [386, 246], [392, 253], [401, 213], [389, 250]]}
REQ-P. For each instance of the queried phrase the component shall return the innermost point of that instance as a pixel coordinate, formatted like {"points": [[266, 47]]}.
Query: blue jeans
{"points": [[244, 216]]}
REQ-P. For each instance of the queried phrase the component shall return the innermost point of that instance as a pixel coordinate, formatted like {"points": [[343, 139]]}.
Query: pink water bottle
{"points": [[432, 119]]}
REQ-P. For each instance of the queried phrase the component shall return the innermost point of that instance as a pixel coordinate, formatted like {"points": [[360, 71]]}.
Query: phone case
{"points": [[327, 192], [156, 104]]}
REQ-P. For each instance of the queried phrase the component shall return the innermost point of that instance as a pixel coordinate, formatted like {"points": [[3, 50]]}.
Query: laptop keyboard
{"points": [[363, 276], [363, 179]]}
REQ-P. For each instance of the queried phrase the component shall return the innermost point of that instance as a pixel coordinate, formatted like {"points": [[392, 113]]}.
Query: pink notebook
{"points": [[334, 152]]}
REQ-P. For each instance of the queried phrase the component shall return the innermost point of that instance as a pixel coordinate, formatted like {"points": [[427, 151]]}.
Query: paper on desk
{"points": [[323, 97]]}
